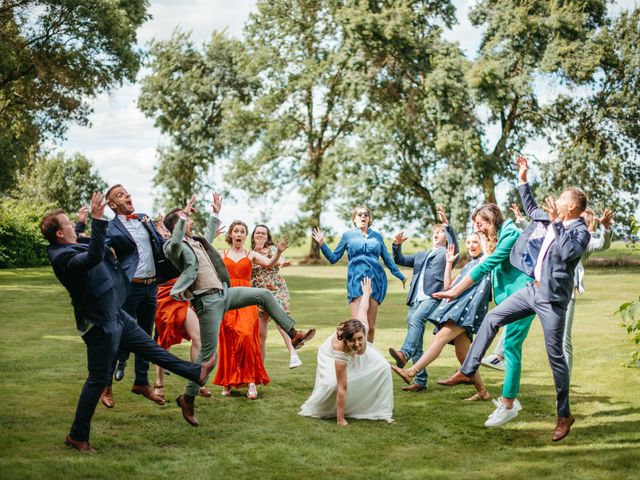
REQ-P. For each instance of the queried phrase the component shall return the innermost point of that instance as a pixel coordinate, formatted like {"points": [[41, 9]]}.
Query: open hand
{"points": [[552, 209], [220, 230], [606, 220], [442, 215], [97, 205], [523, 168], [189, 208], [283, 244], [451, 253], [366, 286], [318, 236], [399, 239], [216, 202], [516, 211], [446, 295], [82, 214]]}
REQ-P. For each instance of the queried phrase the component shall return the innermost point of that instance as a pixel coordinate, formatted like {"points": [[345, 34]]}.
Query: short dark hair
{"points": [[111, 189], [171, 218], [49, 225], [579, 197]]}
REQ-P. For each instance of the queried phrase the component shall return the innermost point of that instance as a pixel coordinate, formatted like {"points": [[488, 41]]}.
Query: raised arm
{"points": [[396, 248], [364, 302], [212, 227], [267, 262], [336, 255], [452, 256]]}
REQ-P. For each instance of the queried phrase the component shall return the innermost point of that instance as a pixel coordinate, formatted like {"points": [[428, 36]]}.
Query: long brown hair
{"points": [[235, 223], [490, 212], [269, 241]]}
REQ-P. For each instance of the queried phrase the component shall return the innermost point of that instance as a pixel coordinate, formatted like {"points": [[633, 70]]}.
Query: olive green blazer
{"points": [[183, 257]]}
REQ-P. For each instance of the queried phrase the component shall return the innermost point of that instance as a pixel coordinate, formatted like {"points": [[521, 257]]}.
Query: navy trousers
{"points": [[102, 345], [141, 304]]}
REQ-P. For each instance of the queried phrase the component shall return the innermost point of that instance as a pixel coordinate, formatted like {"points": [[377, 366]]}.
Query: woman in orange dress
{"points": [[239, 358]]}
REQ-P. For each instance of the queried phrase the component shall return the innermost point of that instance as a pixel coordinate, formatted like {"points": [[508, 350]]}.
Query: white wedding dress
{"points": [[369, 385]]}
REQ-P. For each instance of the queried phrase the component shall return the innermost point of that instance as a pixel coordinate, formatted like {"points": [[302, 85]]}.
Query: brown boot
{"points": [[188, 411]]}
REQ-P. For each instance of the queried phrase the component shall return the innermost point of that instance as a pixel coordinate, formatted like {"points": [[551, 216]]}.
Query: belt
{"points": [[211, 291], [536, 283], [144, 281]]}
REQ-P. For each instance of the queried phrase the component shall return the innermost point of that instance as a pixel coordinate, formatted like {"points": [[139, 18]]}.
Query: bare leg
{"points": [[372, 315], [448, 332], [192, 328], [287, 341], [263, 324], [462, 345]]}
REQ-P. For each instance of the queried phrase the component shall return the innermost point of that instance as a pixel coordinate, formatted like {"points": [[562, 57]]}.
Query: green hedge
{"points": [[21, 244]]}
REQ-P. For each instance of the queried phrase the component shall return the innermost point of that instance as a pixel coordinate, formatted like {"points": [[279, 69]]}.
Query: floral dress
{"points": [[270, 278]]}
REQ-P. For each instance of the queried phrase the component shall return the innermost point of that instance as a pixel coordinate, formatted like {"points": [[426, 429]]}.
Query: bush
{"points": [[630, 314], [21, 243]]}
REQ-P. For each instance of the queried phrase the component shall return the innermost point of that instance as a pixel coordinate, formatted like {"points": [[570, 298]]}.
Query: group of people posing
{"points": [[132, 274]]}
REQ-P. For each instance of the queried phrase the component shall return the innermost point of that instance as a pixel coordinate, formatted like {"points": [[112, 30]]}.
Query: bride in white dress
{"points": [[353, 379]]}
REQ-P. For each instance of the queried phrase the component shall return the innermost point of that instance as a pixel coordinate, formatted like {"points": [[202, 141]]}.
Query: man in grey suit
{"points": [[428, 274], [204, 281], [549, 251]]}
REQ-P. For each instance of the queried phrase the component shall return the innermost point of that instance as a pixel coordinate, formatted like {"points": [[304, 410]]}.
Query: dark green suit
{"points": [[211, 308]]}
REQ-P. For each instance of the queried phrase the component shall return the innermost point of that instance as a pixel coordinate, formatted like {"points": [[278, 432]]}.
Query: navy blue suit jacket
{"points": [[119, 238], [93, 277], [436, 259], [559, 264]]}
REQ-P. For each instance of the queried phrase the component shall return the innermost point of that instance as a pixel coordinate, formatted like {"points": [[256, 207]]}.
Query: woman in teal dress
{"points": [[500, 236], [364, 248]]}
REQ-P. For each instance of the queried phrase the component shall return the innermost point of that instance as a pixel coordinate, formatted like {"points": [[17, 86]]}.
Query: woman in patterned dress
{"points": [[271, 279]]}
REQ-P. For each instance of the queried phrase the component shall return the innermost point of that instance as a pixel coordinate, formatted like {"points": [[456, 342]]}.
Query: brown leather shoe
{"points": [[299, 337], [398, 356], [145, 391], [414, 387], [563, 427], [206, 368], [203, 392], [457, 379], [483, 395], [188, 411], [107, 396], [84, 447], [402, 373]]}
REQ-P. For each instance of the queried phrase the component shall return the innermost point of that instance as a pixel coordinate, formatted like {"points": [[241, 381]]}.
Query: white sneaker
{"points": [[516, 403], [502, 415], [493, 361], [295, 362]]}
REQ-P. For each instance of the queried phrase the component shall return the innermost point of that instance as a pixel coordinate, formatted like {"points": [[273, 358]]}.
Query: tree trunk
{"points": [[489, 188]]}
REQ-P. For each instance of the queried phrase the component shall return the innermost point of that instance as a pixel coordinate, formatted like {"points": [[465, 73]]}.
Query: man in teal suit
{"points": [[204, 281]]}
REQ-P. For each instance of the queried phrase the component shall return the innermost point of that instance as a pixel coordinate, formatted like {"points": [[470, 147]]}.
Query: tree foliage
{"points": [[61, 181], [54, 54]]}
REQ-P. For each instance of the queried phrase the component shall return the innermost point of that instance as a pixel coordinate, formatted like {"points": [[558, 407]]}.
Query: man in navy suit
{"points": [[98, 287], [428, 273], [138, 247], [549, 251]]}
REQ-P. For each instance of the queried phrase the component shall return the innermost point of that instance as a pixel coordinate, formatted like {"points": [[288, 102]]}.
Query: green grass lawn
{"points": [[43, 366]]}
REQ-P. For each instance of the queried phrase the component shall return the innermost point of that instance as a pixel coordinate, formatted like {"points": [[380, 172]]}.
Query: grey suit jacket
{"points": [[183, 257], [559, 264], [436, 259]]}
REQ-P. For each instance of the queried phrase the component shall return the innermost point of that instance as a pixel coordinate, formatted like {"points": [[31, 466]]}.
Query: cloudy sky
{"points": [[122, 142]]}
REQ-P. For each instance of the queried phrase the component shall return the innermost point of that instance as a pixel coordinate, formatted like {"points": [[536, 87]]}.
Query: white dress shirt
{"points": [[548, 240], [146, 267]]}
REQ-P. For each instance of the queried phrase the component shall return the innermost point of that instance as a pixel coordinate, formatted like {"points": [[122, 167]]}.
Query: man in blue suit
{"points": [[98, 287], [549, 251], [138, 247], [428, 273]]}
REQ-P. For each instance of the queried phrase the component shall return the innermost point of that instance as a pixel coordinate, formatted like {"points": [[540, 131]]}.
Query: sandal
{"points": [[484, 395], [252, 394], [158, 390], [226, 392]]}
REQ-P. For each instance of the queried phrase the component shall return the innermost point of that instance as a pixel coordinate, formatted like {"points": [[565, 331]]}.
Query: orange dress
{"points": [[239, 356], [170, 317]]}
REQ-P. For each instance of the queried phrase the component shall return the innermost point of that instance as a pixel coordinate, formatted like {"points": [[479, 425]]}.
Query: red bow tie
{"points": [[131, 217]]}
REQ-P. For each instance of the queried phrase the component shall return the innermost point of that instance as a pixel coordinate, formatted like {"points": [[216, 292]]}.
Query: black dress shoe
{"points": [[119, 373]]}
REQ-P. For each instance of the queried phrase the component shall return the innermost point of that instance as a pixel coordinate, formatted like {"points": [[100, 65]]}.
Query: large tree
{"points": [[54, 55]]}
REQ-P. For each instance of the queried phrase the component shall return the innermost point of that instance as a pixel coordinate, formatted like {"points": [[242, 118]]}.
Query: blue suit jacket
{"points": [[559, 264], [119, 238], [93, 277], [436, 259]]}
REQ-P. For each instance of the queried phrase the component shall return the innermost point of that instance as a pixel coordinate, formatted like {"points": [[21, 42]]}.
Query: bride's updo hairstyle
{"points": [[347, 329]]}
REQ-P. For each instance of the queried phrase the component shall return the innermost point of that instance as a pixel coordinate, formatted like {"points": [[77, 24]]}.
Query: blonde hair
{"points": [[355, 212]]}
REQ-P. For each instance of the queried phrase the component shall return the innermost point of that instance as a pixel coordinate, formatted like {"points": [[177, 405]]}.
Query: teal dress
{"points": [[364, 252]]}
